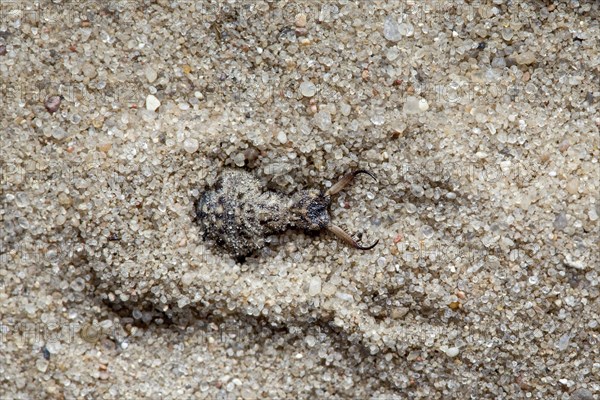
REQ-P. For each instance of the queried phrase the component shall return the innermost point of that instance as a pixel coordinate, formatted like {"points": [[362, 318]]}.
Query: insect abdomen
{"points": [[238, 215]]}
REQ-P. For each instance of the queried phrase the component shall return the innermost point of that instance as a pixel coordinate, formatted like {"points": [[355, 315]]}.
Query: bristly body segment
{"points": [[238, 214]]}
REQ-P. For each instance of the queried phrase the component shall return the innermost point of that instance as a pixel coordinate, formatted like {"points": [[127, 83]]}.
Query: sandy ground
{"points": [[479, 119]]}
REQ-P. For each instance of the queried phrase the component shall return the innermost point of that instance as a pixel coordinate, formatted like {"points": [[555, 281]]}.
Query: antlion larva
{"points": [[238, 214]]}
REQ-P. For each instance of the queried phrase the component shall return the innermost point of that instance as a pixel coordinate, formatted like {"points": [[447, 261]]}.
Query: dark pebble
{"points": [[46, 353], [52, 104]]}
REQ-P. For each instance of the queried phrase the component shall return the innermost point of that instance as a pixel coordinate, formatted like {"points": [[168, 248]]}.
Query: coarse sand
{"points": [[480, 120]]}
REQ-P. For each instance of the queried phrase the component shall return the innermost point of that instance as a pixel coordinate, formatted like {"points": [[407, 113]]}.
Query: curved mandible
{"points": [[342, 183], [343, 235], [336, 230]]}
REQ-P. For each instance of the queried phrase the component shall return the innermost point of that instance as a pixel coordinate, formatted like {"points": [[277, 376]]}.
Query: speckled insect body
{"points": [[239, 215]]}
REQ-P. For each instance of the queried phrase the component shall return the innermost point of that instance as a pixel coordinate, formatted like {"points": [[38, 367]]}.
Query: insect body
{"points": [[238, 215]]}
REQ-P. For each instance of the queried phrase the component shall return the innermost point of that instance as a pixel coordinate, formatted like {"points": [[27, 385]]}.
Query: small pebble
{"points": [[314, 286], [53, 103], [2, 49], [54, 346], [152, 103], [427, 231], [525, 58], [41, 365], [59, 133], [188, 278], [378, 119], [78, 284], [310, 340], [239, 159], [406, 29], [300, 20], [345, 109], [308, 89], [560, 221], [414, 105], [282, 137], [577, 264], [323, 120], [104, 147], [391, 30], [150, 73], [392, 53], [89, 70], [190, 145], [452, 351], [417, 190], [563, 342], [573, 185]]}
